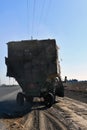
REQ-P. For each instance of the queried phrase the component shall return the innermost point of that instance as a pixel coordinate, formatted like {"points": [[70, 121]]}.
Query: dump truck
{"points": [[35, 66]]}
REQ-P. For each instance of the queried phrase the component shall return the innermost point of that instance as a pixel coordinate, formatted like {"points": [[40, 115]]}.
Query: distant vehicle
{"points": [[35, 66]]}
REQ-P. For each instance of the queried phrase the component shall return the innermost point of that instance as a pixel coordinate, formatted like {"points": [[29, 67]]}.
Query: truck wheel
{"points": [[20, 99], [49, 100]]}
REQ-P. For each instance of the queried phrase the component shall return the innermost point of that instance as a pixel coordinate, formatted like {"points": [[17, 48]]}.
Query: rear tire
{"points": [[49, 99], [20, 99]]}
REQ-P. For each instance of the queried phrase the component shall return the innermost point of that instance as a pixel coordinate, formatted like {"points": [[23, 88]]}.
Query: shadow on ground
{"points": [[9, 108]]}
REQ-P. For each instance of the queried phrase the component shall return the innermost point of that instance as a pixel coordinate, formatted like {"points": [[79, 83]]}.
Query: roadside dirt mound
{"points": [[76, 90], [76, 86]]}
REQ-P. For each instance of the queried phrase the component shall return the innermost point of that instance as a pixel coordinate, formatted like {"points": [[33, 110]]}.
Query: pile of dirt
{"points": [[76, 90], [80, 96], [76, 86]]}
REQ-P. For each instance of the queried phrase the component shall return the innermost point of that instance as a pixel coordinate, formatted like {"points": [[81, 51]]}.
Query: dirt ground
{"points": [[68, 113], [80, 96], [79, 86], [77, 91]]}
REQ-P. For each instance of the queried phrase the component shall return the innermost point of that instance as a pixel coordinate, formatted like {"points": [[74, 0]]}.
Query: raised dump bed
{"points": [[35, 66]]}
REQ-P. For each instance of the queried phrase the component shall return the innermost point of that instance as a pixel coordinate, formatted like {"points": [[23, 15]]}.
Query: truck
{"points": [[35, 66]]}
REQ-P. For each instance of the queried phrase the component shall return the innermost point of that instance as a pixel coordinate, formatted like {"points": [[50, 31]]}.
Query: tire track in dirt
{"points": [[73, 110], [52, 123], [66, 114], [22, 123]]}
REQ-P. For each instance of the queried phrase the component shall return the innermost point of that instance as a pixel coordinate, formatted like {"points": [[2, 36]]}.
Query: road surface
{"points": [[65, 114]]}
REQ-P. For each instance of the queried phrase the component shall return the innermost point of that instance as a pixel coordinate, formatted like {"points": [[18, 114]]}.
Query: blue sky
{"points": [[64, 20]]}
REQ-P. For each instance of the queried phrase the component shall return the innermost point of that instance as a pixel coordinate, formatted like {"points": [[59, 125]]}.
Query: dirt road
{"points": [[66, 114]]}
